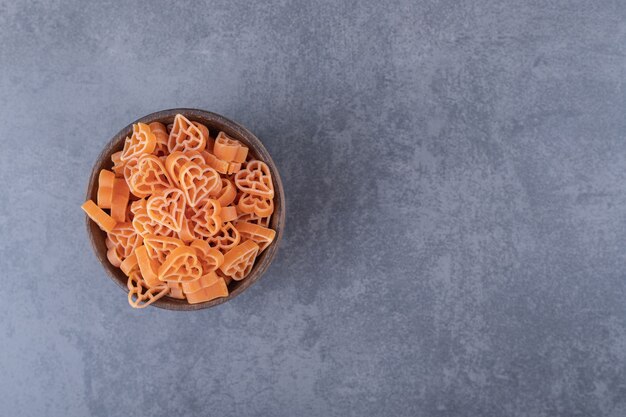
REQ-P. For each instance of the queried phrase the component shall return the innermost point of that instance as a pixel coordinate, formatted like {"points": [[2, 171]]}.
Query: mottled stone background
{"points": [[456, 190]]}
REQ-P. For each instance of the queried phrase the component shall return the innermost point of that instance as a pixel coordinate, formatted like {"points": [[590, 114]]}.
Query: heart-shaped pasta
{"points": [[148, 266], [253, 218], [144, 225], [161, 135], [225, 239], [203, 282], [149, 177], [141, 142], [217, 289], [210, 258], [140, 294], [123, 239], [207, 220], [259, 234], [159, 247], [227, 194], [181, 265], [198, 182], [130, 168], [167, 208], [239, 260], [256, 179], [176, 160], [207, 136], [185, 136], [250, 203], [229, 149]]}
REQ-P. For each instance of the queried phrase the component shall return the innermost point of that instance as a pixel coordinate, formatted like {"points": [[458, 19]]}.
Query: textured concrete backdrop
{"points": [[456, 188]]}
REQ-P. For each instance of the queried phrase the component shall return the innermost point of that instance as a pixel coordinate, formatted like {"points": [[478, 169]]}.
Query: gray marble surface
{"points": [[456, 192]]}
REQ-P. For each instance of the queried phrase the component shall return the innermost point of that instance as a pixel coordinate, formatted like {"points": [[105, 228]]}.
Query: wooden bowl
{"points": [[215, 123]]}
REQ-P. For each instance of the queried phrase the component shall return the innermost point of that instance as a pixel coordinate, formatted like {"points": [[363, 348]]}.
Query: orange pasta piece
{"points": [[217, 290], [210, 258], [207, 136], [202, 282], [214, 162], [225, 148], [210, 142], [207, 220], [119, 201], [176, 290], [167, 208], [259, 234], [242, 154], [129, 215], [105, 188], [186, 231], [227, 238], [181, 265], [198, 182], [129, 169], [123, 239], [118, 165], [177, 160], [238, 262], [95, 213], [129, 264], [227, 194], [234, 167], [226, 278], [140, 294], [185, 136], [256, 179], [141, 142], [149, 177], [114, 258], [228, 214], [253, 218], [144, 225], [229, 149], [148, 266], [161, 135], [249, 203], [159, 247]]}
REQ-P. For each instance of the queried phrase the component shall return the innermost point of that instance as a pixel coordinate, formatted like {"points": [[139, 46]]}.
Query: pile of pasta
{"points": [[187, 213]]}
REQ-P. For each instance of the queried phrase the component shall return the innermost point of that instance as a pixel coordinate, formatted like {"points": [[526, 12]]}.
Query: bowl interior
{"points": [[215, 123]]}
